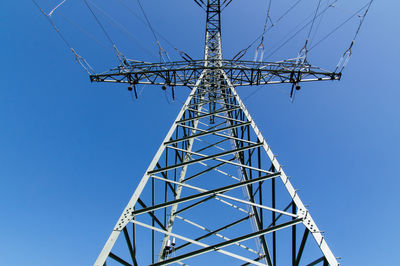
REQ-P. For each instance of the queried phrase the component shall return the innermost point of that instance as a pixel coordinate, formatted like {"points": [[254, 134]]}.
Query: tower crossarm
{"points": [[241, 73]]}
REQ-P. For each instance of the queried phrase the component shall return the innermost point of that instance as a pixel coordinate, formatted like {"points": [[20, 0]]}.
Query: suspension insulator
{"points": [[298, 87], [130, 88], [164, 87]]}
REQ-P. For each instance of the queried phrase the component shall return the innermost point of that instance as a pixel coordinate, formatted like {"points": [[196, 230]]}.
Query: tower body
{"points": [[214, 192]]}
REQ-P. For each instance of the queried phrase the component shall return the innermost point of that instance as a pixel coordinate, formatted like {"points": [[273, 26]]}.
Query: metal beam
{"points": [[206, 158], [204, 194], [228, 243]]}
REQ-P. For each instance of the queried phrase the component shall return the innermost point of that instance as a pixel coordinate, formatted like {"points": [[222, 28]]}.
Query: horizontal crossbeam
{"points": [[203, 194], [206, 158], [241, 73], [229, 242]]}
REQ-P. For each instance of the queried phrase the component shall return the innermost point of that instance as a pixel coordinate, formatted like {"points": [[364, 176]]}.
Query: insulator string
{"points": [[347, 54]]}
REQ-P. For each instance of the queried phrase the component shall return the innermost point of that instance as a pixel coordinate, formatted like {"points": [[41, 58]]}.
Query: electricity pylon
{"points": [[214, 186]]}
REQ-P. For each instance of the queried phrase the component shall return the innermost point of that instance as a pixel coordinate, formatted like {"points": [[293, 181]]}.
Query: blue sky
{"points": [[72, 152]]}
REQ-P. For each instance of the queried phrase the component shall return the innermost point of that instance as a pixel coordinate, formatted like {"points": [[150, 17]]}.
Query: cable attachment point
{"points": [[163, 54], [239, 55], [121, 57], [259, 56], [301, 58], [184, 55], [82, 62], [344, 59], [347, 54]]}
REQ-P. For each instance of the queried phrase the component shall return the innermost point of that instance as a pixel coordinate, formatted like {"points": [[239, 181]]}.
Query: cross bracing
{"points": [[215, 191], [241, 73], [197, 151]]}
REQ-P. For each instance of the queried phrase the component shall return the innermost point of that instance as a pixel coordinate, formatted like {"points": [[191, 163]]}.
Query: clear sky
{"points": [[72, 152]]}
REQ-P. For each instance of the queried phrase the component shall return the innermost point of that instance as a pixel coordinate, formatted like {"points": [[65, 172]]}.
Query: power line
{"points": [[82, 61], [347, 54], [260, 47], [124, 31], [183, 54], [242, 52], [298, 31], [161, 51]]}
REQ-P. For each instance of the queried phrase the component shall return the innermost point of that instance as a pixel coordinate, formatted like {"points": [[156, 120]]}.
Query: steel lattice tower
{"points": [[214, 186]]}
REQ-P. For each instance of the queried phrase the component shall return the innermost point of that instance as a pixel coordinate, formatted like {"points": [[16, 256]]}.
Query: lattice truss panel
{"points": [[215, 194]]}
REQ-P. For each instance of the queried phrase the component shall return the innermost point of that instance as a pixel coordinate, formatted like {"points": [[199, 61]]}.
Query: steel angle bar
{"points": [[209, 101], [206, 170], [214, 231], [215, 168], [217, 247], [309, 222], [220, 134], [256, 259], [182, 175], [206, 114], [126, 214], [233, 206], [194, 204], [204, 158], [130, 247], [202, 123], [151, 214], [280, 215], [216, 234], [301, 248], [235, 138], [211, 145], [165, 176], [217, 192], [118, 259], [209, 198], [228, 161], [222, 172], [241, 74], [170, 234], [205, 133], [217, 114], [316, 261]]}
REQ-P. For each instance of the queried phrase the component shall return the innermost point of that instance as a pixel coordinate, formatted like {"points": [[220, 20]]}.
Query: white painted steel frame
{"points": [[302, 210], [123, 220], [213, 58]]}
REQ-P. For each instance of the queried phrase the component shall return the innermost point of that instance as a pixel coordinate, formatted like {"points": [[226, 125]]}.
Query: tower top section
{"points": [[213, 49], [240, 72]]}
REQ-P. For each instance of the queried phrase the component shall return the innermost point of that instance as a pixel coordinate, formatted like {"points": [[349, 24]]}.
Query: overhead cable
{"points": [[57, 6], [82, 61], [161, 51], [302, 55], [259, 55], [242, 52], [181, 53], [120, 56], [122, 29], [299, 30], [347, 54]]}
